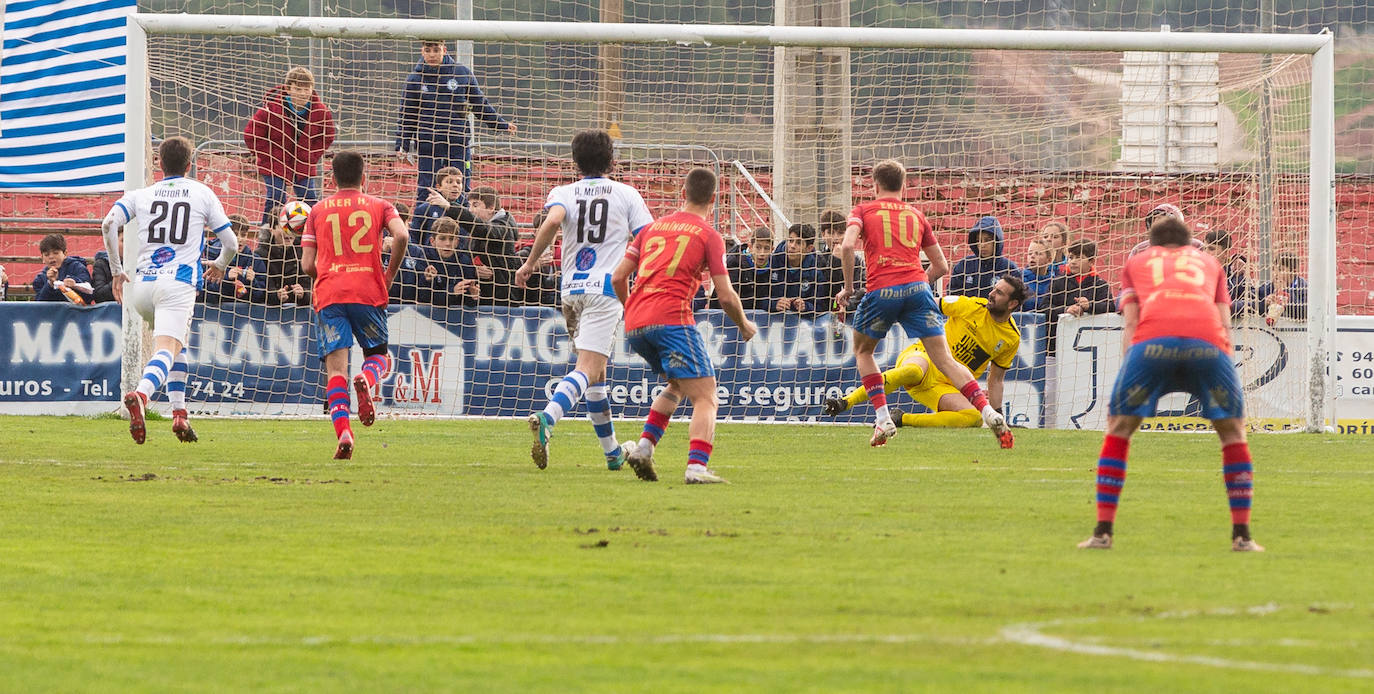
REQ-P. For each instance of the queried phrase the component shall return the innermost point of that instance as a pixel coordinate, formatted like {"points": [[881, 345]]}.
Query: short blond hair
{"points": [[301, 76]]}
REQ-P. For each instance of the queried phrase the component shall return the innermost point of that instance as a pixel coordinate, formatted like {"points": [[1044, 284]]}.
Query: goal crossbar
{"points": [[707, 35]]}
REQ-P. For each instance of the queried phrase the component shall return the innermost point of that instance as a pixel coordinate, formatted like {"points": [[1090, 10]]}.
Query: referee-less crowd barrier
{"points": [[503, 362]]}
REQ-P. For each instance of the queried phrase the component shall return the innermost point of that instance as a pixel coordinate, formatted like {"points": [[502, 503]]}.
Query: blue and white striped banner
{"points": [[62, 86]]}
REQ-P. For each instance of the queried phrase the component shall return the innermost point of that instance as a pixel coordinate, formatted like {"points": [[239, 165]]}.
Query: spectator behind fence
{"points": [[976, 273], [102, 279], [829, 271], [288, 136], [1285, 295], [406, 284], [435, 103], [492, 235], [1037, 275], [1078, 292], [542, 288], [245, 279], [447, 277], [1055, 236], [1218, 244], [283, 281], [750, 272], [63, 277], [446, 198], [792, 274]]}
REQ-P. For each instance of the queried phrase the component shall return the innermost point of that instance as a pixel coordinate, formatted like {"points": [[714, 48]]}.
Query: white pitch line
{"points": [[1031, 634], [519, 639]]}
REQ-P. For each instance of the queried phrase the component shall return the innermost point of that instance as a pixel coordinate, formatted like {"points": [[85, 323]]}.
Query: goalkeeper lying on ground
{"points": [[980, 331]]}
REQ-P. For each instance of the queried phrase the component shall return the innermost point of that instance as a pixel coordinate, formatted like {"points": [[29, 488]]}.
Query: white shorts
{"points": [[592, 320], [166, 304]]}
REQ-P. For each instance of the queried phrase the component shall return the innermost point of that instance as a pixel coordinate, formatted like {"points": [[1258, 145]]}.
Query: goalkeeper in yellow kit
{"points": [[980, 332]]}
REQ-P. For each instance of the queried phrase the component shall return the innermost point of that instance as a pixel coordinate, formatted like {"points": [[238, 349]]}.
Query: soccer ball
{"points": [[293, 215]]}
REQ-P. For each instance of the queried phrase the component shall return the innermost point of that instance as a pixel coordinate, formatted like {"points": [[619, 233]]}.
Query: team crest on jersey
{"points": [[586, 258], [1000, 345], [163, 255], [452, 84]]}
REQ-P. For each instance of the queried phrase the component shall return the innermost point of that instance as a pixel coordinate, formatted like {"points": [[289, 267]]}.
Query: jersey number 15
{"points": [[1187, 269]]}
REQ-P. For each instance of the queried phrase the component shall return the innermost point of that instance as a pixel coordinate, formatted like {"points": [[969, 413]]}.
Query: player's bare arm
{"points": [[847, 248], [1130, 319], [996, 378], [939, 265], [401, 239], [733, 307], [620, 278], [110, 230], [229, 247], [542, 238]]}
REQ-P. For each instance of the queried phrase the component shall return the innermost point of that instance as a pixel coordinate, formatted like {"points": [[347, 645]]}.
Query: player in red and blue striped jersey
{"points": [[342, 249], [894, 235], [669, 259], [1177, 335]]}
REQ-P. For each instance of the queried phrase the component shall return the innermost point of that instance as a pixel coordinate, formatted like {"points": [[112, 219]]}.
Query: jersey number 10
{"points": [[907, 228], [591, 220], [171, 222]]}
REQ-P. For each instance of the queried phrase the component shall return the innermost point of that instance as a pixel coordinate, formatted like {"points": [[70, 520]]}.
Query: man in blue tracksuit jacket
{"points": [[435, 104]]}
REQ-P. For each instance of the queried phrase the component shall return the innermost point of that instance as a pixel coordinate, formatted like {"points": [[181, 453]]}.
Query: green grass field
{"points": [[441, 559]]}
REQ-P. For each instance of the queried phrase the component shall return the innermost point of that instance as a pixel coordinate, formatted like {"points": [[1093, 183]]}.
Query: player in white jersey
{"points": [[599, 217], [173, 216]]}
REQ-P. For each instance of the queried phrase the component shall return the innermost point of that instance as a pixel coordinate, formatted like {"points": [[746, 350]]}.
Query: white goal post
{"points": [[144, 28]]}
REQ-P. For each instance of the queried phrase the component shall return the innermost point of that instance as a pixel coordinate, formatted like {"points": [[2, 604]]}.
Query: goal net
{"points": [[1086, 130]]}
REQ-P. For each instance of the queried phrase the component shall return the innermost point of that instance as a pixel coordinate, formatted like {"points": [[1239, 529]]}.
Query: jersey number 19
{"points": [[591, 220]]}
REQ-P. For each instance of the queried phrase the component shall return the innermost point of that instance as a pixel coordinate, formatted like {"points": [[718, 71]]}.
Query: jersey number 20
{"points": [[171, 222]]}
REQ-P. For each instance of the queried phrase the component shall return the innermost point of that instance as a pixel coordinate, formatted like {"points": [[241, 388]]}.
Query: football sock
{"points": [[892, 380], [374, 368], [155, 373], [975, 395], [1240, 481], [654, 426], [873, 384], [176, 382], [337, 392], [699, 452], [599, 411], [1111, 476], [1240, 530], [566, 395], [948, 419], [1102, 528]]}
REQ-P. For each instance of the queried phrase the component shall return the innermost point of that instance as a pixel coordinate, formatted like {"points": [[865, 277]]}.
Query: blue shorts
{"points": [[338, 324], [673, 351], [1154, 368], [912, 305]]}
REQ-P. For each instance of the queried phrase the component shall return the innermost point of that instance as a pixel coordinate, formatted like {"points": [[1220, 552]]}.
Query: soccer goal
{"points": [[1087, 129]]}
